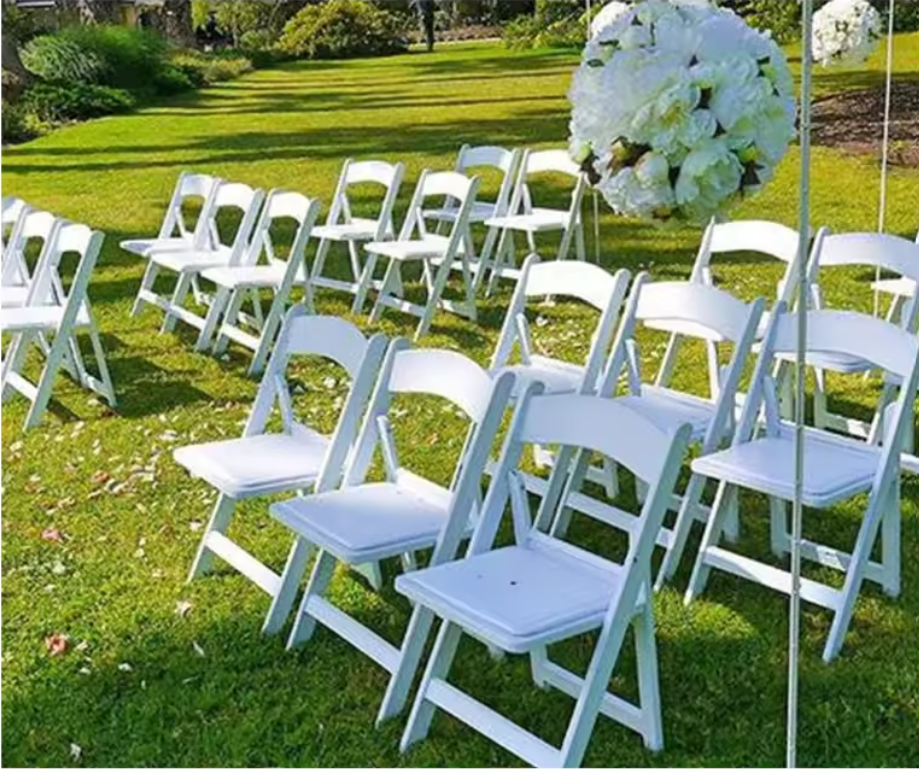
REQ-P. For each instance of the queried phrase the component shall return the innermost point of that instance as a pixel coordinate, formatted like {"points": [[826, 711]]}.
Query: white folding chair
{"points": [[437, 253], [703, 312], [299, 459], [47, 310], [190, 262], [869, 249], [901, 290], [175, 232], [261, 268], [763, 238], [470, 158], [342, 227], [836, 468], [11, 209], [523, 216], [363, 522], [542, 590]]}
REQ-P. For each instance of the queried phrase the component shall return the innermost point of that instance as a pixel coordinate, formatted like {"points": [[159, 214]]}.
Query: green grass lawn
{"points": [[134, 688]]}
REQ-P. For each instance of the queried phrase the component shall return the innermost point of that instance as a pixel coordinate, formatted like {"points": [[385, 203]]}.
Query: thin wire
{"points": [[807, 11], [885, 148]]}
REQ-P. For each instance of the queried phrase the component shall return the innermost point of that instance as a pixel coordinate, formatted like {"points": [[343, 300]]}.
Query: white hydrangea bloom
{"points": [[845, 31], [678, 108], [607, 15]]}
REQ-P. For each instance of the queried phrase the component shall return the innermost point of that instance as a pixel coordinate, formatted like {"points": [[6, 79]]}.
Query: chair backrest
{"points": [[29, 225], [546, 161], [455, 378], [280, 205], [760, 237], [701, 311], [488, 156], [335, 339], [188, 186], [885, 345], [586, 282], [588, 425], [245, 199], [46, 287], [441, 184], [10, 209], [878, 250], [353, 172]]}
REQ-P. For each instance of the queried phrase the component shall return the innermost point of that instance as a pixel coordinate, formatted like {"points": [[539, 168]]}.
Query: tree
{"points": [[15, 75], [177, 24], [90, 11]]}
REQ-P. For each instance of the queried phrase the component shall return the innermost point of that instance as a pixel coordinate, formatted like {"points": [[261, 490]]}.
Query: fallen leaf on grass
{"points": [[183, 607], [100, 476], [52, 535], [57, 644], [76, 752], [125, 667]]}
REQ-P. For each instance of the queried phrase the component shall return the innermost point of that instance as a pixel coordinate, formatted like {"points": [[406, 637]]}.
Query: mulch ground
{"points": [[854, 122]]}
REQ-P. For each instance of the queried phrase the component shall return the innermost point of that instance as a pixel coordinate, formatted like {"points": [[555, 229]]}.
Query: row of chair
{"points": [[523, 598], [35, 305], [437, 233]]}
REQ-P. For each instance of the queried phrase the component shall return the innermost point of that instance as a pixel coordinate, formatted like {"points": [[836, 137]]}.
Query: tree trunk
{"points": [[90, 11], [178, 23], [15, 75]]}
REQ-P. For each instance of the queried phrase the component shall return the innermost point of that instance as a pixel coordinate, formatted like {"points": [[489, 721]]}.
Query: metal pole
{"points": [[807, 10], [885, 147], [596, 197]]}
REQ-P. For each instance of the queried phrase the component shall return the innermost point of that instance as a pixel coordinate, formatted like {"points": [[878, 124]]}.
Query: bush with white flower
{"points": [[845, 31], [679, 109]]}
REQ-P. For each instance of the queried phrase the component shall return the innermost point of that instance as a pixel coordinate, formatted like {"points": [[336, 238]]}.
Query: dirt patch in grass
{"points": [[854, 122]]}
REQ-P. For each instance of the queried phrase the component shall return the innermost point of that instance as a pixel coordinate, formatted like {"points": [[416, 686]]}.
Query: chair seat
{"points": [[259, 464], [556, 376], [429, 247], [143, 247], [540, 220], [835, 468], [46, 318], [190, 260], [261, 275], [668, 409], [356, 229], [482, 211], [13, 296], [365, 523], [517, 597], [905, 287]]}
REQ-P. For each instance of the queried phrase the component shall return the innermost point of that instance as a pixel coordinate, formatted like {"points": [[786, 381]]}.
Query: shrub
{"points": [[172, 79], [343, 28], [133, 58], [556, 24], [19, 123], [60, 60], [55, 103], [203, 69]]}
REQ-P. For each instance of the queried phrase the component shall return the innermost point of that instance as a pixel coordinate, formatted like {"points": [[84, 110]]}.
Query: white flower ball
{"points": [[679, 109], [845, 31]]}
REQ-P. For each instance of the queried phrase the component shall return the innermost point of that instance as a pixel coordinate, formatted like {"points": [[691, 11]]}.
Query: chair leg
{"points": [[890, 542], [668, 363], [102, 365], [681, 530], [372, 573], [212, 319], [579, 245], [384, 293], [485, 263], [714, 374], [230, 318], [648, 678], [724, 500], [178, 299], [419, 627], [270, 330], [504, 258], [16, 354], [364, 286], [219, 522], [433, 303], [283, 600], [419, 720], [146, 284], [356, 270], [821, 411], [305, 623], [778, 526]]}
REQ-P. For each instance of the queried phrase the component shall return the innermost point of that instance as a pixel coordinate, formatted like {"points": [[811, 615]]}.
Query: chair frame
{"points": [[301, 334], [583, 421], [388, 175], [878, 342]]}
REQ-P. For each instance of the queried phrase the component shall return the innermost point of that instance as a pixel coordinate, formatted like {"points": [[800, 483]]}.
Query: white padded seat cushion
{"points": [[481, 212], [191, 260], [834, 468], [540, 220], [145, 246], [356, 229], [429, 247], [366, 522], [668, 409], [263, 275], [557, 376], [516, 595], [259, 464], [38, 318]]}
